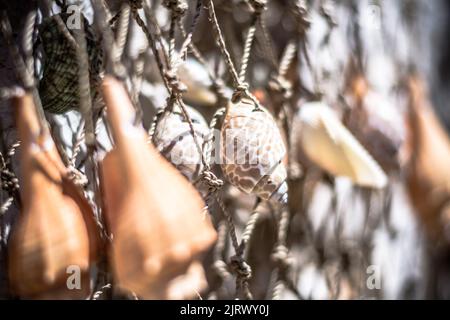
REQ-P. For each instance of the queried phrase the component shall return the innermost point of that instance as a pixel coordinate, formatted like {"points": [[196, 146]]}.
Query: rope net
{"points": [[340, 231]]}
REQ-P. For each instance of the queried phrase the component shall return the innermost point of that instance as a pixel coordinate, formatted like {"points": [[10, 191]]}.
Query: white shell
{"points": [[329, 144], [173, 138], [252, 151], [198, 84]]}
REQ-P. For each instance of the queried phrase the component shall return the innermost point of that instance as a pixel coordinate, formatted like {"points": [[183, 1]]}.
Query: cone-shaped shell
{"points": [[173, 138], [154, 213], [252, 151], [54, 241], [428, 166], [329, 145], [198, 84]]}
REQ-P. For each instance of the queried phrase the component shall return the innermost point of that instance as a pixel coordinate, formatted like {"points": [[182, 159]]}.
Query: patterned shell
{"points": [[58, 87], [173, 138], [252, 152]]}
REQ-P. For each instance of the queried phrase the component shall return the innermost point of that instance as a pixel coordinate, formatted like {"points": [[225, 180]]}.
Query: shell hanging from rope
{"points": [[198, 84], [252, 151], [427, 157], [58, 88], [156, 216], [174, 139], [55, 236], [329, 145]]}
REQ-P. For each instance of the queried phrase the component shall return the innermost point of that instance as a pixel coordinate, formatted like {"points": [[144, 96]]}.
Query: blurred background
{"points": [[377, 63]]}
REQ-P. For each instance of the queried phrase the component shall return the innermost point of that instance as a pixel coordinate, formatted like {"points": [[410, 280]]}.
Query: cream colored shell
{"points": [[173, 138], [329, 144]]}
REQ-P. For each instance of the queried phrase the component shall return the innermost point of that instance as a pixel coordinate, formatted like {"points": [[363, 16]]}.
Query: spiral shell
{"points": [[252, 151], [427, 170], [58, 87], [155, 214], [173, 138], [55, 234], [329, 145]]}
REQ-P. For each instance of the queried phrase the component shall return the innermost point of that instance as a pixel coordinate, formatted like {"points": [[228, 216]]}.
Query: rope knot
{"points": [[301, 13], [258, 5], [281, 85], [9, 181], [178, 7], [77, 177], [136, 4], [281, 256], [175, 84], [240, 92], [240, 268], [214, 184]]}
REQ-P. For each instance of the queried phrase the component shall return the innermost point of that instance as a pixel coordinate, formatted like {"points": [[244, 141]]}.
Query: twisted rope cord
{"points": [[176, 88], [187, 43], [84, 89], [110, 48], [10, 184], [241, 88], [152, 42], [101, 292], [122, 29], [222, 45], [23, 73], [248, 231], [219, 264], [217, 83], [27, 41], [268, 44], [286, 60], [281, 255], [136, 80], [8, 179], [247, 49]]}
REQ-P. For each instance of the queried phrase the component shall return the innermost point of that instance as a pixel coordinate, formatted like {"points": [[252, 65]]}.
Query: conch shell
{"points": [[155, 215], [253, 150], [55, 236], [330, 146], [428, 164]]}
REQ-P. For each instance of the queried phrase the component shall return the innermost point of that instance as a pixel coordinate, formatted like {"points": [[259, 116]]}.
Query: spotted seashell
{"points": [[252, 151], [58, 88], [174, 139]]}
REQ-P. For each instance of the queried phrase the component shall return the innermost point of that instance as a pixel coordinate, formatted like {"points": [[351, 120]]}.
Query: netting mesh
{"points": [[331, 239]]}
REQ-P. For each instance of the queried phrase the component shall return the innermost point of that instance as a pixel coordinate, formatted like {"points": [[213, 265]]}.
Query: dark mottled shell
{"points": [[58, 87]]}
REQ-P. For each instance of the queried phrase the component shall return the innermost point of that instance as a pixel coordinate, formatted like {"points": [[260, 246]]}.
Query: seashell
{"points": [[198, 84], [427, 168], [252, 151], [330, 146], [155, 214], [58, 88], [55, 230], [173, 138]]}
